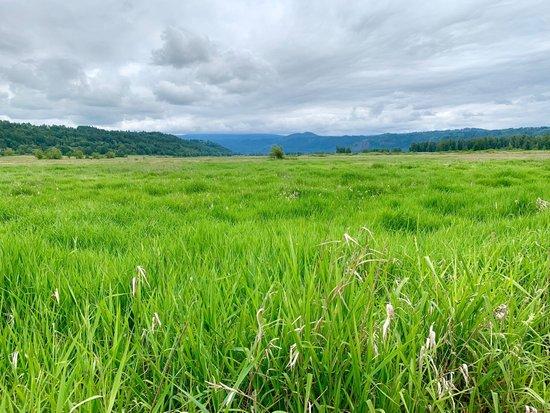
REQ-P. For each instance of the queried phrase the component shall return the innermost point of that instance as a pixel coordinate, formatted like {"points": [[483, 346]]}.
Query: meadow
{"points": [[368, 283]]}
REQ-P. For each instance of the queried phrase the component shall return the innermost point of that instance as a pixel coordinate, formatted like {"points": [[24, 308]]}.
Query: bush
{"points": [[8, 152], [38, 153], [53, 153], [96, 155], [78, 154], [277, 152], [110, 154]]}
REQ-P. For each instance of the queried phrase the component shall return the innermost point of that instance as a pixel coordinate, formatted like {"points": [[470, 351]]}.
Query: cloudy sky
{"points": [[337, 66]]}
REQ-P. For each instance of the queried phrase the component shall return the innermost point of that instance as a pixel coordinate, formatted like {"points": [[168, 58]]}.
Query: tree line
{"points": [[478, 144], [24, 138]]}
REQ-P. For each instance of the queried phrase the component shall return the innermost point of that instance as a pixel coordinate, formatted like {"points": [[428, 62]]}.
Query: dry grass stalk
{"points": [[464, 370], [386, 326], [430, 340], [293, 356]]}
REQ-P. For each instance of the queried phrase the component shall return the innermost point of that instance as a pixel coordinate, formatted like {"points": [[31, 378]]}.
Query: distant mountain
{"points": [[24, 138], [308, 142]]}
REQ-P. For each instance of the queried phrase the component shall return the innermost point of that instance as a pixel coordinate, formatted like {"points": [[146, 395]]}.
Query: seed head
{"points": [[464, 370], [134, 286], [389, 310], [141, 272], [501, 312], [14, 358], [386, 326], [530, 409], [542, 204], [55, 296], [293, 356], [348, 239], [430, 340], [155, 322]]}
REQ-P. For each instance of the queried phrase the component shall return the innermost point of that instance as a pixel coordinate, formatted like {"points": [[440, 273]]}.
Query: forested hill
{"points": [[538, 142], [25, 138], [310, 142]]}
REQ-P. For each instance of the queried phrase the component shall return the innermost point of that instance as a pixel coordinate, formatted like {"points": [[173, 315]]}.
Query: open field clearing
{"points": [[323, 284]]}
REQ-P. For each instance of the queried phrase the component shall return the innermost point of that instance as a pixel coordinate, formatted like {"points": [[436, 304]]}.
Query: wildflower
{"points": [[293, 356], [501, 312], [389, 315], [55, 295]]}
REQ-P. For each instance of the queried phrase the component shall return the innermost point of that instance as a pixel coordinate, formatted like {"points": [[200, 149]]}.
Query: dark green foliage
{"points": [[277, 152], [479, 144], [27, 138], [343, 150]]}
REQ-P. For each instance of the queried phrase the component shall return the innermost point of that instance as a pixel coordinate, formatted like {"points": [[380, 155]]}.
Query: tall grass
{"points": [[366, 283]]}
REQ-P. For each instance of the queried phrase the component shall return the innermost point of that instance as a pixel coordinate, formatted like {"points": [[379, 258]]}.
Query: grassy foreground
{"points": [[361, 283]]}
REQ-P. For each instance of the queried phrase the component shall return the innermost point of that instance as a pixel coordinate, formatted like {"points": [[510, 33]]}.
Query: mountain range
{"points": [[308, 142]]}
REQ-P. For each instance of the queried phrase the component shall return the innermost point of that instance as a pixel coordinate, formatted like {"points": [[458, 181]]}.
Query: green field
{"points": [[263, 285]]}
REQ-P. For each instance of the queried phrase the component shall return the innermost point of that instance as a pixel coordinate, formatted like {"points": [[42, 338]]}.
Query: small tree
{"points": [[8, 152], [54, 153], [277, 152], [38, 153], [78, 154], [110, 154]]}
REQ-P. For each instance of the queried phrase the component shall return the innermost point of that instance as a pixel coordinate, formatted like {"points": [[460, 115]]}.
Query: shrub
{"points": [[277, 152], [8, 152], [78, 154], [53, 153], [38, 153], [110, 155], [96, 155]]}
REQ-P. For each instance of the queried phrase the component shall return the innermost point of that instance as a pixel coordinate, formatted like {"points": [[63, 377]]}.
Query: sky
{"points": [[331, 67]]}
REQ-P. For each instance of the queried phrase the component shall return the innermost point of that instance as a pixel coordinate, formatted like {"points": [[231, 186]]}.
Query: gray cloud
{"points": [[330, 66], [179, 94], [182, 48]]}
